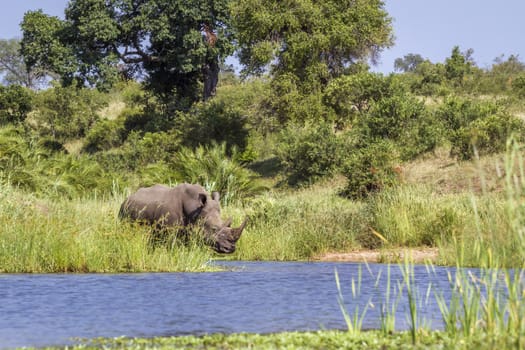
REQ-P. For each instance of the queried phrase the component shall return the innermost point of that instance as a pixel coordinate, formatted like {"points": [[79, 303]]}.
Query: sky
{"points": [[430, 28]]}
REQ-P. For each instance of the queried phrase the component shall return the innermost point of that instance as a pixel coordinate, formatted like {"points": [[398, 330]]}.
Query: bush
{"points": [[484, 125], [351, 95], [518, 85], [15, 104], [104, 135], [487, 135], [310, 152], [67, 112], [403, 120], [140, 150], [213, 122], [211, 167], [370, 169]]}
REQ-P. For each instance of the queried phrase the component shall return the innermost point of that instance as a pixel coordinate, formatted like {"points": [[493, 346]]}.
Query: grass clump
{"points": [[299, 225]]}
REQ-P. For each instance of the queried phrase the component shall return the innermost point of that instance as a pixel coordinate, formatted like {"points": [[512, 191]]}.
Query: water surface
{"points": [[258, 297]]}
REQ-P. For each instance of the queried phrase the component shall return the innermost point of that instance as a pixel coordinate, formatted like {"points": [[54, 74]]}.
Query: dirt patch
{"points": [[416, 255]]}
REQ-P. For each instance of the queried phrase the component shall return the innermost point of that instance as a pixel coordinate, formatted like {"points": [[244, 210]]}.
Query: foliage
{"points": [[211, 167], [310, 152], [42, 46], [483, 125], [486, 135], [352, 95], [518, 85], [25, 164], [312, 41], [104, 135], [179, 45], [457, 66], [66, 112], [213, 122], [15, 104], [370, 169], [409, 63], [287, 103], [140, 150]]}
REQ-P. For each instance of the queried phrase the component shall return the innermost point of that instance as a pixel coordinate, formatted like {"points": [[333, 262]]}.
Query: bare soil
{"points": [[416, 255]]}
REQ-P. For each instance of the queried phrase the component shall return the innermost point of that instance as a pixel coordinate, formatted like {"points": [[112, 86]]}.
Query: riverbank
{"points": [[416, 255], [324, 340]]}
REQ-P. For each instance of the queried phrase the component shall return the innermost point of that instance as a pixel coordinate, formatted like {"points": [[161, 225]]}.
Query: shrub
{"points": [[310, 152], [518, 85], [104, 135], [211, 167], [213, 122], [351, 95], [370, 169], [67, 112], [487, 135], [485, 125], [457, 112], [15, 104]]}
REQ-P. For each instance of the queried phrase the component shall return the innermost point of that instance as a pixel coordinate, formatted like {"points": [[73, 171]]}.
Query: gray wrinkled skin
{"points": [[186, 204]]}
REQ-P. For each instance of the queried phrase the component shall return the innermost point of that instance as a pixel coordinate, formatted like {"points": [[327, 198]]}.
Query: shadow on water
{"points": [[255, 297]]}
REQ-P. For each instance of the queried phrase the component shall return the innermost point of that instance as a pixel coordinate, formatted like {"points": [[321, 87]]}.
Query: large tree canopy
{"points": [[313, 40], [175, 45]]}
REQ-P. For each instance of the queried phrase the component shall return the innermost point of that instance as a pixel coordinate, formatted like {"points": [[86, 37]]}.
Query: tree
{"points": [[313, 40], [15, 104], [13, 68], [458, 65], [408, 63], [176, 46]]}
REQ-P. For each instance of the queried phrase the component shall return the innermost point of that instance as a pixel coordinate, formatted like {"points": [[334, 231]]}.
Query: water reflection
{"points": [[261, 297]]}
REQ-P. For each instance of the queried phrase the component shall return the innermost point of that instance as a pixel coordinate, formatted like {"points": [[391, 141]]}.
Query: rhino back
{"points": [[157, 203]]}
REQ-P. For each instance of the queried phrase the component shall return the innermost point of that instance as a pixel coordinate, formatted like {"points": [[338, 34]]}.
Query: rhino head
{"points": [[218, 234]]}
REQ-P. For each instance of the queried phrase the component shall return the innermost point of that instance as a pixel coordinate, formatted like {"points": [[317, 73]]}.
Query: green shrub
{"points": [[67, 112], [370, 169], [518, 85], [458, 112], [484, 125], [486, 136], [213, 122], [104, 135], [140, 150], [310, 152], [351, 95], [212, 167], [15, 104]]}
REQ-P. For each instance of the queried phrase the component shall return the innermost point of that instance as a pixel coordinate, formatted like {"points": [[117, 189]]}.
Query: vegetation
{"points": [[321, 153], [313, 146]]}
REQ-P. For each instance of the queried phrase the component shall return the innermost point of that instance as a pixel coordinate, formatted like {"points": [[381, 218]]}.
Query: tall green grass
{"points": [[83, 235], [298, 225]]}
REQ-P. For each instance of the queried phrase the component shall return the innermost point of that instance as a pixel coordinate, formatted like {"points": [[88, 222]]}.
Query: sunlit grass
{"points": [[83, 235]]}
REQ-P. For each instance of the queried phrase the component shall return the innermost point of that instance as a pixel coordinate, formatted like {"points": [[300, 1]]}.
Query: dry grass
{"points": [[447, 175], [113, 109]]}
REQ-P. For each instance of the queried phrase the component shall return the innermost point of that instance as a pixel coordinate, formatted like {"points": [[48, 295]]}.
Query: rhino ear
{"points": [[202, 199], [215, 196]]}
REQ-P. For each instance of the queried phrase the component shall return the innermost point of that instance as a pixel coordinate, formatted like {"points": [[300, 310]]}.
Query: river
{"points": [[256, 297]]}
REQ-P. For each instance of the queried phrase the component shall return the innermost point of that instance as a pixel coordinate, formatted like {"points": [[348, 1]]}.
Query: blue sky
{"points": [[430, 28]]}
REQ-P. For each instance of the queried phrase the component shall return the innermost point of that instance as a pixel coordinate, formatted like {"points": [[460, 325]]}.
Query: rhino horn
{"points": [[236, 232]]}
